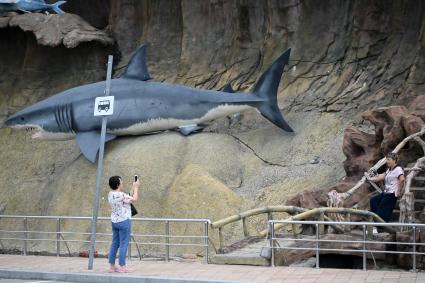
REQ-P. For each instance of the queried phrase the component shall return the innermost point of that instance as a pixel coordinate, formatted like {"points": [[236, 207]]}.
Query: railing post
{"points": [[364, 246], [348, 227], [370, 227], [272, 242], [58, 231], [317, 247], [245, 227], [129, 248], [206, 241], [414, 249], [295, 230], [25, 235], [322, 226], [220, 237], [269, 216], [167, 240]]}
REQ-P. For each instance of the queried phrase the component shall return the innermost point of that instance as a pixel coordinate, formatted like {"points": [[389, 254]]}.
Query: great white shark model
{"points": [[143, 106]]}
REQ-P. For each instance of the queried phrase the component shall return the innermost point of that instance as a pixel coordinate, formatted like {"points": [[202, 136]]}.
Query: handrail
{"points": [[60, 234], [367, 239], [106, 218], [383, 224], [298, 214], [276, 208], [341, 210]]}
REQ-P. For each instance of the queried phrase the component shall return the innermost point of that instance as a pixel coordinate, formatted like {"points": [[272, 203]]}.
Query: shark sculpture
{"points": [[29, 6], [145, 106]]}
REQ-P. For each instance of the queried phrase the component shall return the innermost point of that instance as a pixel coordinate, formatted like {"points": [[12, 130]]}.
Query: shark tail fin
{"points": [[55, 7], [267, 87]]}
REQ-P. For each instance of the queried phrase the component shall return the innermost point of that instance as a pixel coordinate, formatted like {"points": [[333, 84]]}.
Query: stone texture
{"points": [[361, 150]]}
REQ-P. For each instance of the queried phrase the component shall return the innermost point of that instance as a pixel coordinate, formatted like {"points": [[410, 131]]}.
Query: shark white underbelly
{"points": [[160, 124]]}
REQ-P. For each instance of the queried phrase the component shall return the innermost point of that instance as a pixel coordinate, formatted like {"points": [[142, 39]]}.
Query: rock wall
{"points": [[347, 57]]}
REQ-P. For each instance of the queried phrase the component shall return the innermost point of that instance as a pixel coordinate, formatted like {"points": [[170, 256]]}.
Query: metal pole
{"points": [[167, 240], [414, 249], [364, 247], [206, 242], [272, 241], [129, 249], [58, 230], [25, 235], [317, 247], [99, 169]]}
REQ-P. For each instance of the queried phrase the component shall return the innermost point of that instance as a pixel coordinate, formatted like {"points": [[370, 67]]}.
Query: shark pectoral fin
{"points": [[189, 129], [137, 68], [89, 144]]}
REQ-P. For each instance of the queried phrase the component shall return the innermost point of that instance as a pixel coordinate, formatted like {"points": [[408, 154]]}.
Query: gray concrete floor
{"points": [[28, 281]]}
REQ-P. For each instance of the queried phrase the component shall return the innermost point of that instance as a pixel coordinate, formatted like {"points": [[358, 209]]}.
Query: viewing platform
{"points": [[74, 269]]}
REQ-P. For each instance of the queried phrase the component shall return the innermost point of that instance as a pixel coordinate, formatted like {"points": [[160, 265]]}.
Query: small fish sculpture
{"points": [[29, 6]]}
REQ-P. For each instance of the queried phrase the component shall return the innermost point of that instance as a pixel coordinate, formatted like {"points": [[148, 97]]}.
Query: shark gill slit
{"points": [[62, 119], [57, 118], [68, 112]]}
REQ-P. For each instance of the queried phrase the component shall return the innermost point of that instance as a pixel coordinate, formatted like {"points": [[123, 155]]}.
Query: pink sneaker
{"points": [[113, 269], [124, 269]]}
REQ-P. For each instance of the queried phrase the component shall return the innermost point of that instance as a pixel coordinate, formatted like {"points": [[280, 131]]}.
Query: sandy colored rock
{"points": [[195, 193]]}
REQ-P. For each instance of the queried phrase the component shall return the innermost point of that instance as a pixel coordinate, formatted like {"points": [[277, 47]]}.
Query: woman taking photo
{"points": [[121, 221]]}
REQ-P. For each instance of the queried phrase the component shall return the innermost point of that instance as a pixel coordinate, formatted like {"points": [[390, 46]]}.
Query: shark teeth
{"points": [[30, 129]]}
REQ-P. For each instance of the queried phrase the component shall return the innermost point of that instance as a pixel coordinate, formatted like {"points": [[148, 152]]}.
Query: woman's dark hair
{"points": [[393, 156], [114, 182]]}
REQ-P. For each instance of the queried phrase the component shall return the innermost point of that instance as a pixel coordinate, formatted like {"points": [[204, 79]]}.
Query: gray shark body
{"points": [[144, 106]]}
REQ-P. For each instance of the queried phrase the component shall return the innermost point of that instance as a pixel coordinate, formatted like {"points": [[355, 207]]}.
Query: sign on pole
{"points": [[104, 106]]}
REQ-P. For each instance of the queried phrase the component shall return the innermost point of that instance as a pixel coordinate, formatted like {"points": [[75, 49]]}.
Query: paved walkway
{"points": [[201, 271]]}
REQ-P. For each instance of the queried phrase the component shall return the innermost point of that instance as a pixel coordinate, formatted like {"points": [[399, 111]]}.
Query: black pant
{"points": [[383, 205]]}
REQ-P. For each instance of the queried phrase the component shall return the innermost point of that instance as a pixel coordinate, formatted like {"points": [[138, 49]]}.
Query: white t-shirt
{"points": [[391, 179], [120, 205]]}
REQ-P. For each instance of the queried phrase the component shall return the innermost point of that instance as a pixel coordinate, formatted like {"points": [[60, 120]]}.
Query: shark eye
{"points": [[22, 119]]}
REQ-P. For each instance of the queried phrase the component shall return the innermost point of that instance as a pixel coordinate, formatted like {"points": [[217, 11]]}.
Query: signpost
{"points": [[104, 106]]}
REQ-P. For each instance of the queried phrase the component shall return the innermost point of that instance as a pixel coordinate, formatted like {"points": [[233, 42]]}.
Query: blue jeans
{"points": [[383, 205], [120, 238]]}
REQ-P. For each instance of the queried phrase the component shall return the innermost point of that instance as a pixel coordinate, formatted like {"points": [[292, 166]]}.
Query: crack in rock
{"points": [[316, 160]]}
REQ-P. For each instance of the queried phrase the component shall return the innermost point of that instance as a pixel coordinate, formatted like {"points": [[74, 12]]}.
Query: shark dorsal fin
{"points": [[137, 69]]}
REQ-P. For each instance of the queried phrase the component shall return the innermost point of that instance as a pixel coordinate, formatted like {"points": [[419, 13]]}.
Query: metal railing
{"points": [[367, 239], [60, 233]]}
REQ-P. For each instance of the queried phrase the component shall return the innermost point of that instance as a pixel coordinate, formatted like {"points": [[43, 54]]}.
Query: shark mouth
{"points": [[35, 130]]}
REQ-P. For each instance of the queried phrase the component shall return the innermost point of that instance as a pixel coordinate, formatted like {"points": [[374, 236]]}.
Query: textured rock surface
{"points": [[53, 29], [347, 57], [362, 149]]}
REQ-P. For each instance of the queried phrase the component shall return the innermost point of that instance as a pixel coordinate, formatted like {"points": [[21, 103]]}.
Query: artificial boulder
{"points": [[362, 150], [196, 194], [54, 29]]}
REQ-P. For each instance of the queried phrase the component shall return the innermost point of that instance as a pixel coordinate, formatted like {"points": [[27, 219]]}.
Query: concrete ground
{"points": [[28, 281], [74, 269]]}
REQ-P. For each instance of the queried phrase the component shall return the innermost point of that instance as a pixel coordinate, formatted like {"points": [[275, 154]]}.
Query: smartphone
{"points": [[135, 178]]}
